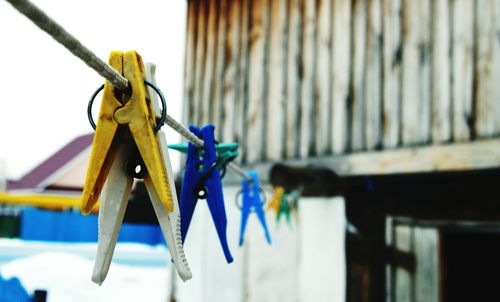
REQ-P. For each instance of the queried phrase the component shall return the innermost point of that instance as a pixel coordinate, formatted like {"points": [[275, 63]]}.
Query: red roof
{"points": [[51, 165]]}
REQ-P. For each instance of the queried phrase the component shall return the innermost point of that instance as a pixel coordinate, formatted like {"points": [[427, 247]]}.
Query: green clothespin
{"points": [[289, 203], [225, 152], [284, 209], [220, 148]]}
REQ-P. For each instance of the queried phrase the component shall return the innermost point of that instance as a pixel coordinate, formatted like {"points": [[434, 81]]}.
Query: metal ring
{"points": [[261, 191], [89, 106], [163, 115]]}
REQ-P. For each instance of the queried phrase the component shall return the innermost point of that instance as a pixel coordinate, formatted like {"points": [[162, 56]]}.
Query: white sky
{"points": [[45, 89]]}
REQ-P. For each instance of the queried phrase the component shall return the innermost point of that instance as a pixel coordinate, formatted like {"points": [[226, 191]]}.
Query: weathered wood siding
{"points": [[301, 78]]}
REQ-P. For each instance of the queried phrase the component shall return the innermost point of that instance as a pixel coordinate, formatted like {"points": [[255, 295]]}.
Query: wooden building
{"points": [[300, 79], [392, 104]]}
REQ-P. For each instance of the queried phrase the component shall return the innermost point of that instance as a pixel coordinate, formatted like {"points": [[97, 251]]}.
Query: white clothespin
{"points": [[114, 199]]}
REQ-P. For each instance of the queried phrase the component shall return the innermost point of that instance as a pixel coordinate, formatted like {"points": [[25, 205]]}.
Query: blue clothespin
{"points": [[252, 201], [202, 180]]}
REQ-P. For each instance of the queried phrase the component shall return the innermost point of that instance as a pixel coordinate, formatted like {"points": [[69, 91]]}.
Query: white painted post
{"points": [[322, 266]]}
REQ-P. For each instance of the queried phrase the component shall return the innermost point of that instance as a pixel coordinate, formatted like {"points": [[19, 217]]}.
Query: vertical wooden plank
{"points": [[373, 75], [256, 89], [488, 62], [392, 72], [496, 67], [416, 72], [308, 79], [389, 271], [410, 105], [201, 40], [462, 67], [209, 75], [441, 117], [293, 91], [217, 101], [358, 75], [341, 73], [425, 16], [189, 63], [242, 75], [231, 76], [323, 87], [426, 287], [277, 80], [402, 278]]}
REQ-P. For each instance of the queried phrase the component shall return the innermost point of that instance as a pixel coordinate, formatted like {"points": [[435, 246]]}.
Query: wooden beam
{"points": [[463, 156], [476, 155]]}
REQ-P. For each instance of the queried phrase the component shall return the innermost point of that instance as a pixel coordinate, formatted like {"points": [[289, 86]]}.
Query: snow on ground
{"points": [[66, 277]]}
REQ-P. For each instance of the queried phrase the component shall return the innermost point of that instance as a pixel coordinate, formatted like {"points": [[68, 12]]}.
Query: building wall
{"points": [[3, 176], [296, 78], [306, 261]]}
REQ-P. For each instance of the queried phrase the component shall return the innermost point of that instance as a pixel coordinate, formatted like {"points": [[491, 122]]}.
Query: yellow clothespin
{"points": [[125, 139], [275, 201], [120, 121]]}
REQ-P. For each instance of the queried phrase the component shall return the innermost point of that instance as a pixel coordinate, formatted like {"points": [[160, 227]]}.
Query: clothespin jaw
{"points": [[134, 112], [202, 180], [252, 202]]}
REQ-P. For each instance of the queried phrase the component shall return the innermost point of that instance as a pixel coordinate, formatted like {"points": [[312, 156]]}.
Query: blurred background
{"points": [[373, 125]]}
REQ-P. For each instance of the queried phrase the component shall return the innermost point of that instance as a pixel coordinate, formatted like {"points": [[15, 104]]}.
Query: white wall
{"points": [[306, 261], [3, 176]]}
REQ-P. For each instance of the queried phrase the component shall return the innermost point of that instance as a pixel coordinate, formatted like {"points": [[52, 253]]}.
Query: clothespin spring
{"points": [[240, 192], [159, 123], [200, 143], [200, 190]]}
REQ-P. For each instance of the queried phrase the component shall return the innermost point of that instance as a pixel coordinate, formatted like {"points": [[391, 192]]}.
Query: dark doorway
{"points": [[470, 265]]}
